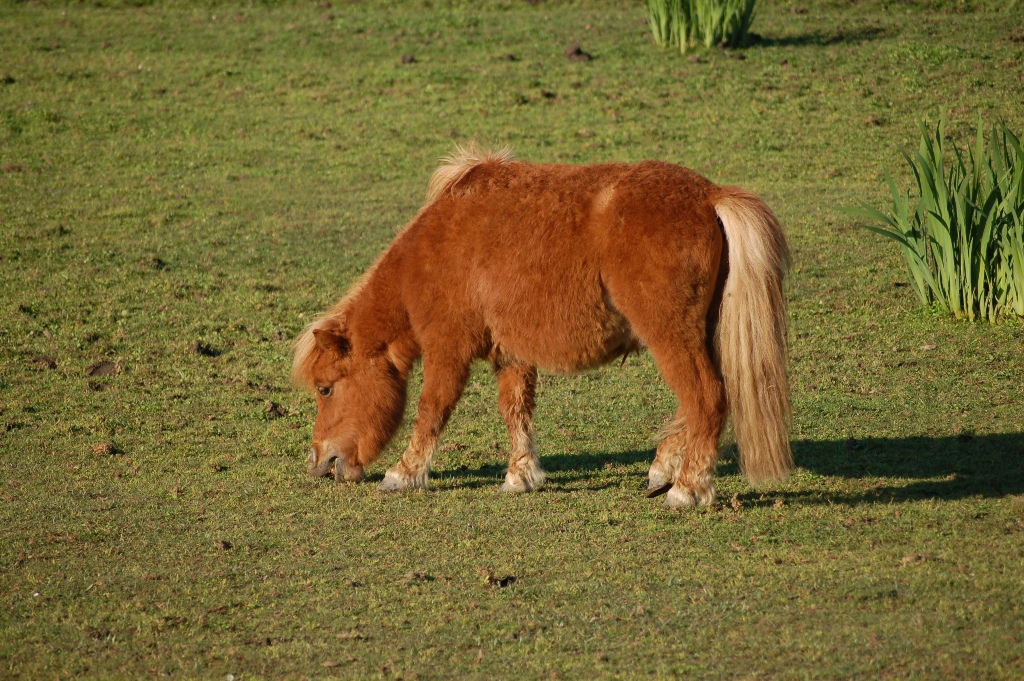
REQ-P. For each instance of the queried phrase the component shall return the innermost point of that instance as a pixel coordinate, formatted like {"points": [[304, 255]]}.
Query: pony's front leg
{"points": [[413, 470], [516, 387], [443, 382]]}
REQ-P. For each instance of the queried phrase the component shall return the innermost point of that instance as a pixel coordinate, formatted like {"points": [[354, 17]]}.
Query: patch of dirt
{"points": [[151, 262], [498, 582], [203, 349], [259, 641], [274, 410], [354, 635], [414, 577], [104, 368], [912, 559], [98, 634], [575, 53], [267, 288], [44, 361]]}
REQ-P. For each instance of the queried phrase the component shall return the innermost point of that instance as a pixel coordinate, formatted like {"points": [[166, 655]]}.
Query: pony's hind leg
{"points": [[692, 441], [664, 285], [673, 327], [516, 386], [668, 460], [443, 383]]}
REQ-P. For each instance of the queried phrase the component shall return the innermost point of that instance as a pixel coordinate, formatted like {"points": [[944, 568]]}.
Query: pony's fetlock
{"points": [[397, 479]]}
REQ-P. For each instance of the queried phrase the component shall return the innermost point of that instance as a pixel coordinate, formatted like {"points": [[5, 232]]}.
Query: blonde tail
{"points": [[751, 334]]}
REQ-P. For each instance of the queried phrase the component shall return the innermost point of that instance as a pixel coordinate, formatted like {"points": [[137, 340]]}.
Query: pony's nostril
{"points": [[316, 467]]}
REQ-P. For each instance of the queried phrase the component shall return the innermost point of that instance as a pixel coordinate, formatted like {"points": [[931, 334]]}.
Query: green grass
{"points": [[685, 24], [182, 174], [964, 239]]}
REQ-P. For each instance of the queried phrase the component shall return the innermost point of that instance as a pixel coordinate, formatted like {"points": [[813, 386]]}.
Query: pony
{"points": [[562, 268]]}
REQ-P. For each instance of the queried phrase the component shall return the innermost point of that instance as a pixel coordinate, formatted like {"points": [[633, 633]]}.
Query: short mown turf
{"points": [[183, 187]]}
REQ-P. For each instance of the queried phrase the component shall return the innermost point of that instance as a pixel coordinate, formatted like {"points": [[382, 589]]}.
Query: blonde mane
{"points": [[453, 168], [305, 350], [457, 165]]}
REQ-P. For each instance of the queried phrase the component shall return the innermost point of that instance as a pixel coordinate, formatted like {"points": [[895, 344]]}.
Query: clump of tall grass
{"points": [[962, 234], [690, 23]]}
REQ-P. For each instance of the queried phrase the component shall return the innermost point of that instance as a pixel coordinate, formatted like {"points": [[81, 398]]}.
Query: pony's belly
{"points": [[567, 344]]}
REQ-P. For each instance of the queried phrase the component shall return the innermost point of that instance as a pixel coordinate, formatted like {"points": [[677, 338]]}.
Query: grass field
{"points": [[183, 187]]}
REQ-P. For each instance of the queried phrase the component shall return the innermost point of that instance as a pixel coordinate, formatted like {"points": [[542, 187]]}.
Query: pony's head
{"points": [[360, 396]]}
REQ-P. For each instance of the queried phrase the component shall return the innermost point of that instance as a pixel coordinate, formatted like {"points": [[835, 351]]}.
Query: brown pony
{"points": [[562, 268]]}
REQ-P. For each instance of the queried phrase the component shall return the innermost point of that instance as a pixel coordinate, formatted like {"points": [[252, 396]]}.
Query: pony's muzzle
{"points": [[339, 466], [347, 472], [318, 469]]}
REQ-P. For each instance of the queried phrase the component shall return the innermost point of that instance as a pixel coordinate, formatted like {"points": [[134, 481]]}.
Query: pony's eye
{"points": [[325, 390]]}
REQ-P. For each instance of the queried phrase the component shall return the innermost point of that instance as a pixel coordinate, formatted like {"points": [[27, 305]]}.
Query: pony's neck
{"points": [[377, 315]]}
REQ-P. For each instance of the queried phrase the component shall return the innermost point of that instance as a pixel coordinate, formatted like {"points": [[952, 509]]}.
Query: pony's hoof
{"points": [[524, 480], [395, 481], [656, 490], [684, 497], [658, 481]]}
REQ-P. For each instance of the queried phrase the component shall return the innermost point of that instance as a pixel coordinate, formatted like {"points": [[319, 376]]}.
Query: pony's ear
{"points": [[332, 338]]}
